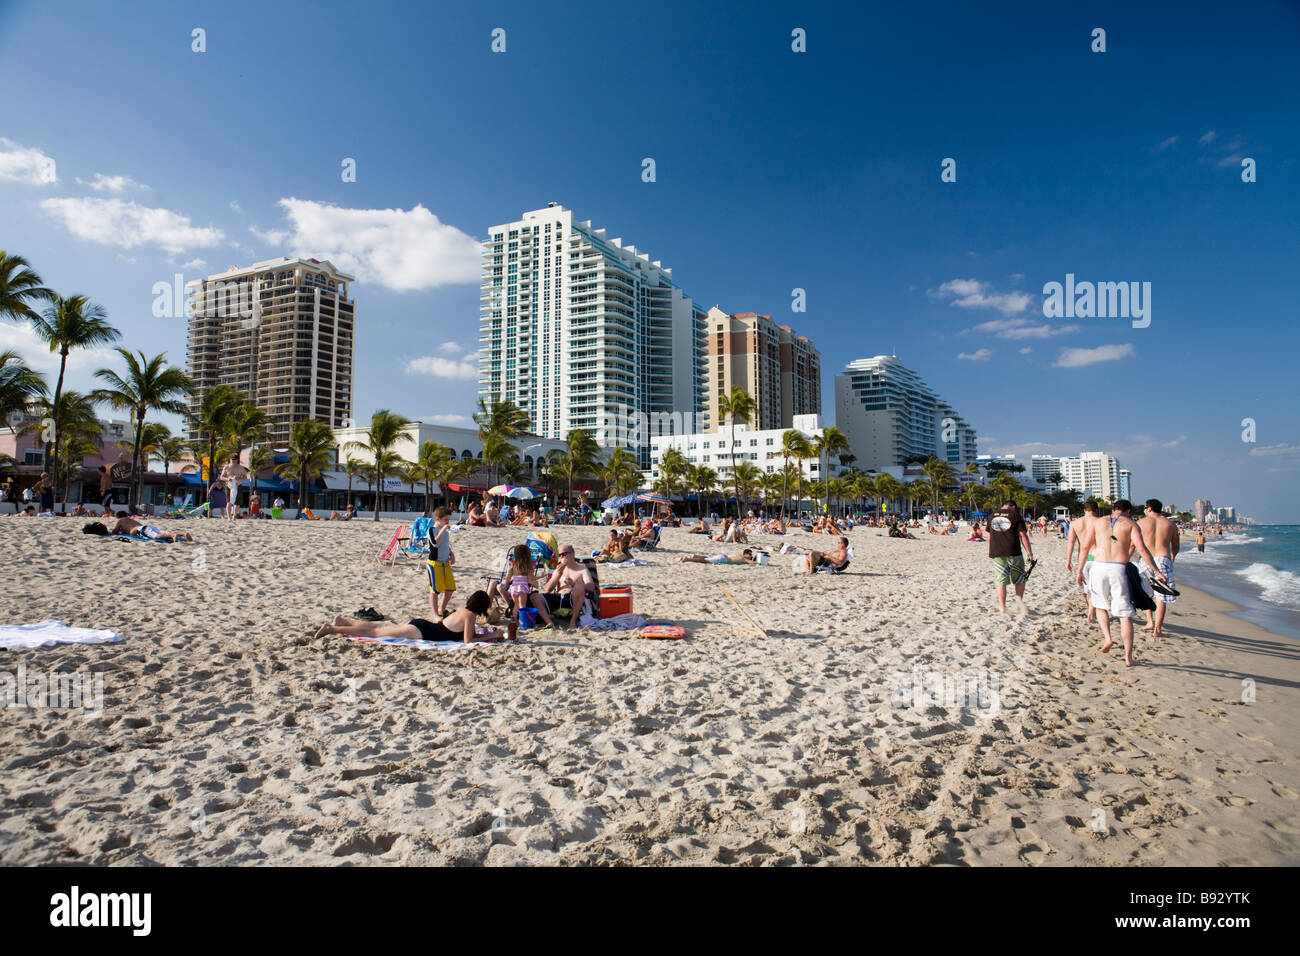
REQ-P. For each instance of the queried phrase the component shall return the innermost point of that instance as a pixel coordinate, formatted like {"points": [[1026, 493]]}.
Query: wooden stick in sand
{"points": [[757, 627]]}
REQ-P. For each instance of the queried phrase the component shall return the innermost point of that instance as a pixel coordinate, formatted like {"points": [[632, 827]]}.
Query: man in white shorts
{"points": [[1108, 589], [1077, 531], [1161, 536]]}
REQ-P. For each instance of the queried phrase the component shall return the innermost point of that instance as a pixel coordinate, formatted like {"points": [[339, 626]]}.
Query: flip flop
{"points": [[1161, 588]]}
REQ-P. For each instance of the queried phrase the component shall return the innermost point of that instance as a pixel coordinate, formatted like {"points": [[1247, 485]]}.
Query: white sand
{"points": [[231, 736]]}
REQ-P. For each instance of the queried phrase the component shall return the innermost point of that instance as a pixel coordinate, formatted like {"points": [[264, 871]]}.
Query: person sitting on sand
{"points": [[646, 535], [745, 557], [897, 530], [492, 515], [474, 519], [976, 534], [701, 527], [523, 583], [573, 583], [347, 515], [828, 559], [79, 511], [456, 626], [126, 525]]}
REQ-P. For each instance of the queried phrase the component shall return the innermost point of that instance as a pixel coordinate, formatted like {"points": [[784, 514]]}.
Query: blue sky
{"points": [[775, 170]]}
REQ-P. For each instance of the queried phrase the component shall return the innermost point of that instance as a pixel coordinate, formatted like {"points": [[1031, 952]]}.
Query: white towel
{"points": [[49, 633]]}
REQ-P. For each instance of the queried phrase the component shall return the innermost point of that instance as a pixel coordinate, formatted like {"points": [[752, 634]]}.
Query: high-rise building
{"points": [[1042, 468], [1093, 474], [280, 331], [582, 331], [780, 369], [1202, 509], [1126, 484], [890, 417]]}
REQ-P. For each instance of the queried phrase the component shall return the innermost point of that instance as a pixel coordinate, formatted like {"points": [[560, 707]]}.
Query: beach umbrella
{"points": [[501, 490], [979, 514], [522, 494], [653, 497]]}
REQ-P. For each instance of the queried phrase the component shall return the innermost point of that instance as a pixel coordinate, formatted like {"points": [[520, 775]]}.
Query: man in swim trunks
{"points": [[129, 526], [1007, 531], [1108, 587], [106, 488], [573, 583], [827, 559], [1077, 531], [747, 557], [457, 626], [1161, 536], [233, 473], [1200, 541]]}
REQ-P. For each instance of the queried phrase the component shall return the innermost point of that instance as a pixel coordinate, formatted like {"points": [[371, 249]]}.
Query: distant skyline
{"points": [[775, 170]]}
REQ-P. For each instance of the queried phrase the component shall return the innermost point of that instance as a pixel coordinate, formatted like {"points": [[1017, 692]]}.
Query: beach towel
{"points": [[50, 633], [422, 645], [621, 622], [633, 563]]}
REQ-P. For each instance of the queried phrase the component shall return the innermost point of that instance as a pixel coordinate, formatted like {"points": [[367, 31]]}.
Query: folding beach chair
{"points": [[838, 568], [388, 553], [416, 544]]}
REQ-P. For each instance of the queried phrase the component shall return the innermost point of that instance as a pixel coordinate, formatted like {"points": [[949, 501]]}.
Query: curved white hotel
{"points": [[581, 330]]}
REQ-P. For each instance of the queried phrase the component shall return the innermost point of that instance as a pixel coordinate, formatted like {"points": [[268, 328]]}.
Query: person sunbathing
{"points": [[456, 626], [646, 535], [829, 559], [348, 515], [745, 557], [128, 526], [701, 527]]}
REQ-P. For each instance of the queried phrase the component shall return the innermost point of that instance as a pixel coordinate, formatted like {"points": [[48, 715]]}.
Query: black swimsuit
{"points": [[434, 630]]}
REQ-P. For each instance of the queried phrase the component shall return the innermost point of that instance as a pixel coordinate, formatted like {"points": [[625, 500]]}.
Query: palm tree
{"points": [[311, 451], [80, 429], [797, 445], [581, 457], [19, 386], [260, 459], [705, 481], [502, 420], [1006, 486], [864, 488], [621, 473], [353, 468], [672, 467], [773, 485], [430, 467], [169, 449], [738, 406], [71, 323], [832, 441], [246, 425], [941, 475], [219, 405], [746, 476], [386, 430], [498, 453], [19, 287], [149, 385]]}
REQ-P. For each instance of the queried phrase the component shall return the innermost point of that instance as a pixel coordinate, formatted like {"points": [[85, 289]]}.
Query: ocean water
{"points": [[1257, 569]]}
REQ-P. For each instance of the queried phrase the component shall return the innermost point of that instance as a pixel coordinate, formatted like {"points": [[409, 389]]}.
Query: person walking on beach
{"points": [[1161, 536], [233, 473], [106, 488], [1007, 532], [1108, 588], [46, 490], [1077, 531], [442, 583], [1200, 541]]}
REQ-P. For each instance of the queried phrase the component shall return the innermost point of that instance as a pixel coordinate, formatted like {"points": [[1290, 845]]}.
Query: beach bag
{"points": [[1137, 594], [94, 528]]}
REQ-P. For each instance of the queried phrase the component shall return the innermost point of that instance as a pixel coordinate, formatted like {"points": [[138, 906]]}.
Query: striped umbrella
{"points": [[653, 497]]}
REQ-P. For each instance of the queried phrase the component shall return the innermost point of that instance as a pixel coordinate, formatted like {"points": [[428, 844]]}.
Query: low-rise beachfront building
{"points": [[891, 417], [758, 447]]}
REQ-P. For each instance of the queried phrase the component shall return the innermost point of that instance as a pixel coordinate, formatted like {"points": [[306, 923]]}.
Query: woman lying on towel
{"points": [[456, 626], [747, 557]]}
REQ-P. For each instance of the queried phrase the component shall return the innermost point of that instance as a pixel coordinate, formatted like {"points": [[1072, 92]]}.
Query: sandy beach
{"points": [[890, 716]]}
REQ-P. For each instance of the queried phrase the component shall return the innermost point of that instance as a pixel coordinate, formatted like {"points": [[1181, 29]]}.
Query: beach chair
{"points": [[838, 568], [195, 511], [388, 553], [653, 543], [416, 543]]}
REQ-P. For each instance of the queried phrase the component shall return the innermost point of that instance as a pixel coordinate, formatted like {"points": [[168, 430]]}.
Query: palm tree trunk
{"points": [[138, 479], [52, 448]]}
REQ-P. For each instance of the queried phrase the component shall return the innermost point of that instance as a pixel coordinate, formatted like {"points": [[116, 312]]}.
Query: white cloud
{"points": [[1281, 448], [1232, 159], [1017, 277], [129, 260], [234, 205], [273, 237], [194, 264], [980, 355], [1207, 139], [453, 348], [973, 294], [111, 184], [1022, 329], [1166, 144], [81, 362], [403, 250], [440, 367], [1026, 350], [114, 222], [26, 164], [1076, 358], [457, 420]]}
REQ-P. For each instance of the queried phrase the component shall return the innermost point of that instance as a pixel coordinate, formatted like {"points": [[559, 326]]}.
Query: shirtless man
{"points": [[573, 582], [1108, 589], [1161, 536], [106, 488], [1077, 531], [828, 559], [233, 474], [1200, 540], [129, 526]]}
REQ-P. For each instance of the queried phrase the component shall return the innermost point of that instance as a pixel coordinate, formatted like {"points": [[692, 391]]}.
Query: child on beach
{"points": [[523, 583], [442, 583]]}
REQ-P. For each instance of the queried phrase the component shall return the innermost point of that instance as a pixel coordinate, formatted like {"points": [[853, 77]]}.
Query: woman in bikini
{"points": [[456, 626]]}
